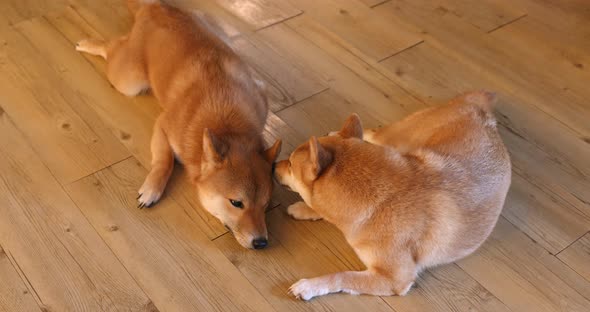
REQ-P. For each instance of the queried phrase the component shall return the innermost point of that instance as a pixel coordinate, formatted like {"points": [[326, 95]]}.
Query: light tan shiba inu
{"points": [[425, 191], [213, 114]]}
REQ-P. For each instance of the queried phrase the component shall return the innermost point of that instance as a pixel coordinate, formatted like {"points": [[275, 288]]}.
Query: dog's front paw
{"points": [[149, 194], [300, 211], [306, 289]]}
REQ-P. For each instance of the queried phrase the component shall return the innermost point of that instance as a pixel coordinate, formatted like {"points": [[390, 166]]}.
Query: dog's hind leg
{"points": [[125, 68], [162, 165], [92, 46]]}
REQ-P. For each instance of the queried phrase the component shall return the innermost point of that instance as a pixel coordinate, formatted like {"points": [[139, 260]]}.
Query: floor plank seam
{"points": [[401, 51], [280, 22], [377, 69], [378, 4], [507, 23], [566, 247], [24, 278], [303, 99], [81, 268], [219, 236], [577, 273], [545, 190], [482, 286], [99, 170]]}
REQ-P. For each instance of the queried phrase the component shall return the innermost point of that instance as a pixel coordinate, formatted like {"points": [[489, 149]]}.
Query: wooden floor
{"points": [[73, 153]]}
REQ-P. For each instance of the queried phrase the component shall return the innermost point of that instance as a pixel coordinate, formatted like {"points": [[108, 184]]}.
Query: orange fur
{"points": [[426, 191], [213, 113]]}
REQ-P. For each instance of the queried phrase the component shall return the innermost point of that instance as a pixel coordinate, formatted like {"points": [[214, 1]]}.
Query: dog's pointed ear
{"points": [[352, 128], [271, 153], [214, 150], [319, 156]]}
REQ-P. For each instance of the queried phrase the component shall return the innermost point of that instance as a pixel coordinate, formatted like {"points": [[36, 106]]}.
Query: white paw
{"points": [[83, 45], [300, 211], [306, 289], [149, 194]]}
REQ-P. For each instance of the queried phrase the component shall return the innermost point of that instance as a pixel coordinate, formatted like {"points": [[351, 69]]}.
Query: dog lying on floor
{"points": [[425, 191], [213, 114]]}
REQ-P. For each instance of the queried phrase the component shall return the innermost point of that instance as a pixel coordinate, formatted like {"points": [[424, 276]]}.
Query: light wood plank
{"points": [[170, 257], [342, 80], [486, 15], [15, 11], [53, 118], [447, 288], [287, 81], [577, 256], [66, 263], [110, 18], [294, 253], [368, 35], [568, 19], [517, 69], [261, 13], [523, 275], [14, 294], [341, 63]]}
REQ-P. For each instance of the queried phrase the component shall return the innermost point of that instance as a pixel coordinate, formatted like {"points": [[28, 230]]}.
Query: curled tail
{"points": [[135, 5], [483, 99]]}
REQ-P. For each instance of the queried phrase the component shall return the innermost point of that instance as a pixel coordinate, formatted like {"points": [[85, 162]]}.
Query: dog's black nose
{"points": [[259, 243]]}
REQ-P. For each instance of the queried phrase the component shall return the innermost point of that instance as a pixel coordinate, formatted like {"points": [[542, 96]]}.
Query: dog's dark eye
{"points": [[236, 203]]}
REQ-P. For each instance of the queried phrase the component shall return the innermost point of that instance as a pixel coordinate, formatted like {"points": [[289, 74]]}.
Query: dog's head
{"points": [[310, 159], [235, 185]]}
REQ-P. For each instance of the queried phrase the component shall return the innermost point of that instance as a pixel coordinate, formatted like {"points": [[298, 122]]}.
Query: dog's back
{"points": [[475, 166]]}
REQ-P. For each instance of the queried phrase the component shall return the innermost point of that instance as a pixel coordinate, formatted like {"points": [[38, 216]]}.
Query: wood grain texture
{"points": [[486, 15], [67, 264], [516, 69], [13, 12], [271, 65], [577, 256], [70, 146], [341, 79], [372, 36], [522, 274], [14, 294]]}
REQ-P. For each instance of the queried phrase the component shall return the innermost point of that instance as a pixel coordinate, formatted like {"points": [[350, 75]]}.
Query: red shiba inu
{"points": [[213, 114], [425, 191]]}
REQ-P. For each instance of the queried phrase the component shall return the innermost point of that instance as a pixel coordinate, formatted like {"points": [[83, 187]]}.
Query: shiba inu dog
{"points": [[421, 192], [213, 114]]}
